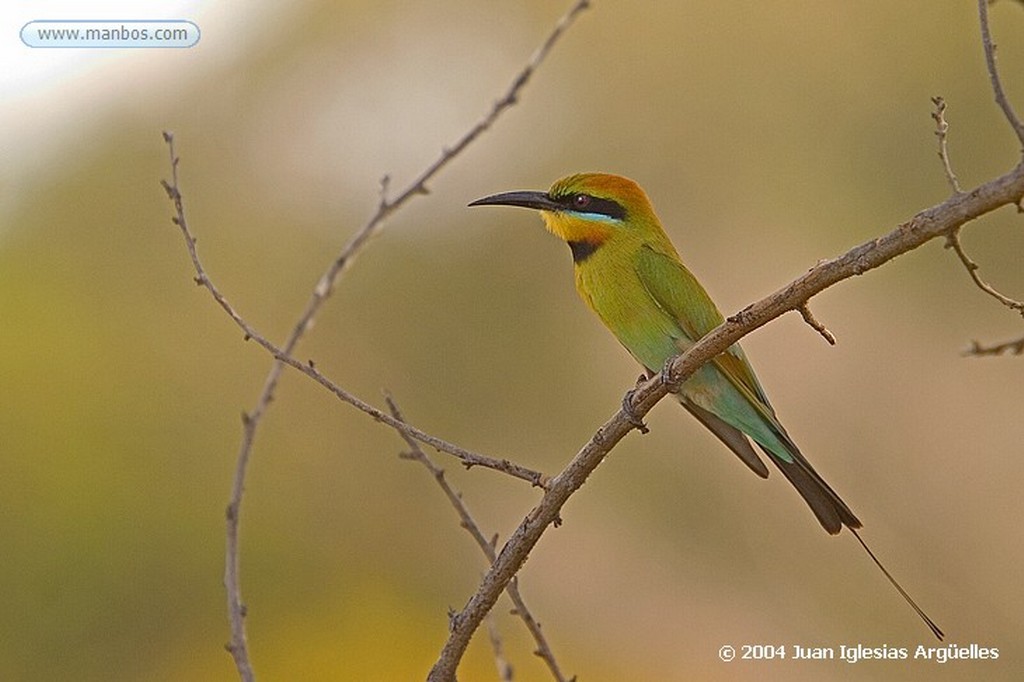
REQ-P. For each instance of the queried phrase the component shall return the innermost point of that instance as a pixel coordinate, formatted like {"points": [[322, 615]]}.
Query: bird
{"points": [[630, 275]]}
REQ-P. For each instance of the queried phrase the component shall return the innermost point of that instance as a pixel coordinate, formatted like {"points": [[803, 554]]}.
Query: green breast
{"points": [[612, 288]]}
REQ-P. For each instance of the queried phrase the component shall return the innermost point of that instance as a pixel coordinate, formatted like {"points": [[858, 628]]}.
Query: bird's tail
{"points": [[826, 504], [939, 634], [833, 514]]}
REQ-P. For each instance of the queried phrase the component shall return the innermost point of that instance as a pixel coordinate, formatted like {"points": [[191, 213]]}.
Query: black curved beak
{"points": [[536, 200]]}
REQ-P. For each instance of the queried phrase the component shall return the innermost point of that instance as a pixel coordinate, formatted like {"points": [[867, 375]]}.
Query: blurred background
{"points": [[769, 136]]}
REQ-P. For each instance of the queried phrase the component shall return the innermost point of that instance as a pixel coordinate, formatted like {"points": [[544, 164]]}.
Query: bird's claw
{"points": [[666, 375], [627, 408]]}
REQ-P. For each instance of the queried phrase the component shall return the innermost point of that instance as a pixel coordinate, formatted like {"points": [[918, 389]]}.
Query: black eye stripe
{"points": [[588, 203]]}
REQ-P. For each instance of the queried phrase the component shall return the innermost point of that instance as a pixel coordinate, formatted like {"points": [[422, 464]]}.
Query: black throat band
{"points": [[582, 250]]}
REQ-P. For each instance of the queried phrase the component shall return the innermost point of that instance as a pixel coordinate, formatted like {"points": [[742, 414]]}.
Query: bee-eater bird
{"points": [[629, 273]]}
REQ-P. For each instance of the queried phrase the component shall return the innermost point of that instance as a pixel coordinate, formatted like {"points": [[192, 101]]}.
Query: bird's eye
{"points": [[581, 201]]}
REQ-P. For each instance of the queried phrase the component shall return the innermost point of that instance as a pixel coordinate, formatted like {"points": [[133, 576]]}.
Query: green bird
{"points": [[629, 273]]}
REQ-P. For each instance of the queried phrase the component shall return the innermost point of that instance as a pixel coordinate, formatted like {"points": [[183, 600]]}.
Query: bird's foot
{"points": [[627, 408]]}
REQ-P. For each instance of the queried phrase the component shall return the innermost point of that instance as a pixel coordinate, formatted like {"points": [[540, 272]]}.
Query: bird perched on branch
{"points": [[629, 273]]}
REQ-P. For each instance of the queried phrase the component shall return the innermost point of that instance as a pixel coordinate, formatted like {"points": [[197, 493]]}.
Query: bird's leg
{"points": [[627, 406]]}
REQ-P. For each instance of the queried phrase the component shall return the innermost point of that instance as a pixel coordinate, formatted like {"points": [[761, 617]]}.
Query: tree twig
{"points": [[487, 547], [934, 222], [941, 128], [809, 318], [993, 74], [1015, 347], [236, 609], [953, 242]]}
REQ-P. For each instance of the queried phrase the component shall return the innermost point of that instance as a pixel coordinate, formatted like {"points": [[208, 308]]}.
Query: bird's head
{"points": [[587, 210]]}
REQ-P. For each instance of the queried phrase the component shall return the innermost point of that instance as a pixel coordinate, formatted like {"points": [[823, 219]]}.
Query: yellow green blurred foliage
{"points": [[769, 135]]}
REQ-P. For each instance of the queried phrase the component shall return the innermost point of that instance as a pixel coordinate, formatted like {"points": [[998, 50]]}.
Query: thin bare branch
{"points": [[487, 547], [993, 74], [468, 458], [941, 129], [419, 185], [934, 222], [953, 242], [238, 646], [809, 318], [1016, 347]]}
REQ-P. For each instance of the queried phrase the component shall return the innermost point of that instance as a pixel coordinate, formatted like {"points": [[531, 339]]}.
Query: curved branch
{"points": [[934, 222], [993, 73]]}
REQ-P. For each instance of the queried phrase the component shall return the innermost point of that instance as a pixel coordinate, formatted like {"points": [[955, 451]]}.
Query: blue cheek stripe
{"points": [[598, 217]]}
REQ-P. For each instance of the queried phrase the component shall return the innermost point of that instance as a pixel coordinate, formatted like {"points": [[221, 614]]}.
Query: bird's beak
{"points": [[536, 200]]}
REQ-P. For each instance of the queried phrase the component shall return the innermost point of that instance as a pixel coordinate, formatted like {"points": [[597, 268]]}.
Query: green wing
{"points": [[680, 295]]}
